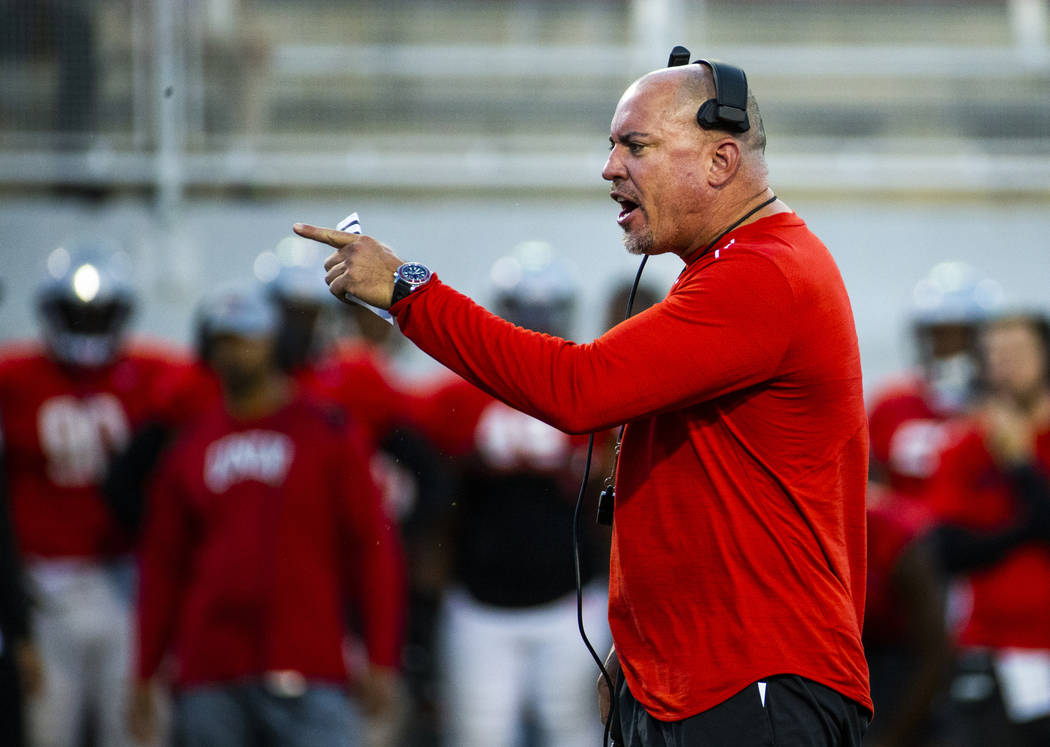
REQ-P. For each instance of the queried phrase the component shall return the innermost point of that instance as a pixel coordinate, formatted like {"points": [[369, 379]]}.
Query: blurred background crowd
{"points": [[236, 511]]}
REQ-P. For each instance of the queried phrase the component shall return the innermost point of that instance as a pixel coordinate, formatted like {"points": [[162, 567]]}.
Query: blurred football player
{"points": [[511, 654], [346, 371], [338, 353], [264, 526], [65, 409], [991, 496], [289, 281], [911, 420], [907, 418]]}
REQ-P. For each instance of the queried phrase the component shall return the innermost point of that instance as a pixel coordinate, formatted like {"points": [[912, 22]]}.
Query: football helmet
{"points": [[293, 274], [85, 302], [535, 289], [948, 306], [238, 308]]}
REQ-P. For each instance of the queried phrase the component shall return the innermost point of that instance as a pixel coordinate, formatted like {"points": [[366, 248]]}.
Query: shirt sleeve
{"points": [[723, 328], [374, 563], [163, 563]]}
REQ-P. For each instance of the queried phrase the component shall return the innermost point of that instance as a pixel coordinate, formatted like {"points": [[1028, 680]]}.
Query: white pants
{"points": [[82, 628], [498, 662]]}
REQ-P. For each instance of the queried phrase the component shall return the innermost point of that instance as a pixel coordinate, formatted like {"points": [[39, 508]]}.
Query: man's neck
{"points": [[741, 212]]}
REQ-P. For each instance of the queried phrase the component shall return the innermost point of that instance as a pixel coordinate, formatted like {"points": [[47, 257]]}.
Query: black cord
{"points": [[740, 220], [579, 587], [576, 541], [587, 475]]}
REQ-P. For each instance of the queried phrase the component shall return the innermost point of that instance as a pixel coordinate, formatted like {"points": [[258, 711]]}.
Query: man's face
{"points": [[950, 339], [1014, 359], [241, 361], [656, 166]]}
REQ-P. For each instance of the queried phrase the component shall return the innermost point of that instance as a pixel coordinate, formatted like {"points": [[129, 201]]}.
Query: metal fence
{"points": [[172, 95]]}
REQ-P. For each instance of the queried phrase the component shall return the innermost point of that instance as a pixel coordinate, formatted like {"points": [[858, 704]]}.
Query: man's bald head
{"points": [[693, 85], [677, 183]]}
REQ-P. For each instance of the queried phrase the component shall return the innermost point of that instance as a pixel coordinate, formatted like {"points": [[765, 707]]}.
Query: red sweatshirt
{"points": [[258, 533], [60, 428], [739, 539]]}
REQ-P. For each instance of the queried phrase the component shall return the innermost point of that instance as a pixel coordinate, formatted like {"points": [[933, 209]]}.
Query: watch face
{"points": [[414, 273]]}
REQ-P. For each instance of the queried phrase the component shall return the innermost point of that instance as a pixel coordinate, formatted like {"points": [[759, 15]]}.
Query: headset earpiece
{"points": [[728, 109]]}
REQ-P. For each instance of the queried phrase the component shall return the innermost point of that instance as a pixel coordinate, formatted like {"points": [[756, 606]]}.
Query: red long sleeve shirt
{"points": [[258, 533], [739, 539]]}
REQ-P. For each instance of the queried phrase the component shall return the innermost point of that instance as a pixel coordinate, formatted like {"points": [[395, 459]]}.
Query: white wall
{"points": [[882, 247]]}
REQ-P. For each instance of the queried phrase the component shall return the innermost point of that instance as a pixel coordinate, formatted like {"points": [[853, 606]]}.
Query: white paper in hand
{"points": [[352, 224]]}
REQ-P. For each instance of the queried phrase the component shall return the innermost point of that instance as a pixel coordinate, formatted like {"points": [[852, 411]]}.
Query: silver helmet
{"points": [[293, 274], [85, 302], [948, 305], [535, 289]]}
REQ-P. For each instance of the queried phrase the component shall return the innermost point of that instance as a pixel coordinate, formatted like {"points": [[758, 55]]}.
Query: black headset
{"points": [[728, 109]]}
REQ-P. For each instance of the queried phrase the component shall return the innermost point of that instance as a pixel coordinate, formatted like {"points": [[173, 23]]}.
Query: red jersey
{"points": [[60, 427], [739, 538], [1011, 599], [908, 435], [257, 531]]}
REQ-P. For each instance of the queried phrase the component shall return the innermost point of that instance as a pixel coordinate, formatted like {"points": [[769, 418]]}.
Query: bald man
{"points": [[738, 558]]}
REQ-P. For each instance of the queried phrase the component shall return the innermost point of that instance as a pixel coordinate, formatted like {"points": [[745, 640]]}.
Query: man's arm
{"points": [[163, 557], [918, 589], [375, 569], [605, 695], [163, 569], [698, 344], [962, 549], [128, 473], [724, 330]]}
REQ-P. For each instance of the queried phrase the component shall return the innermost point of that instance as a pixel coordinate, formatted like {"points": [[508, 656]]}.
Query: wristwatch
{"points": [[407, 278]]}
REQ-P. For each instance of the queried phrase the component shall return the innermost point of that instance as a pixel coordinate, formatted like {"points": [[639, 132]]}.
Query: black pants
{"points": [[797, 713]]}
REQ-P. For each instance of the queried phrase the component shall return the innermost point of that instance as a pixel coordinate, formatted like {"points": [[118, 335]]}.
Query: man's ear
{"points": [[725, 162]]}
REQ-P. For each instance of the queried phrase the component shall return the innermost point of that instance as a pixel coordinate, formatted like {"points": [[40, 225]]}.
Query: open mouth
{"points": [[627, 208]]}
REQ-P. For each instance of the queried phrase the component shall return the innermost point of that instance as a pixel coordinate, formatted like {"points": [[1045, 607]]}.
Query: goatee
{"points": [[640, 243]]}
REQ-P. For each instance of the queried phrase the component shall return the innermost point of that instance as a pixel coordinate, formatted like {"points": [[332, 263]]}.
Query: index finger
{"points": [[330, 236]]}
